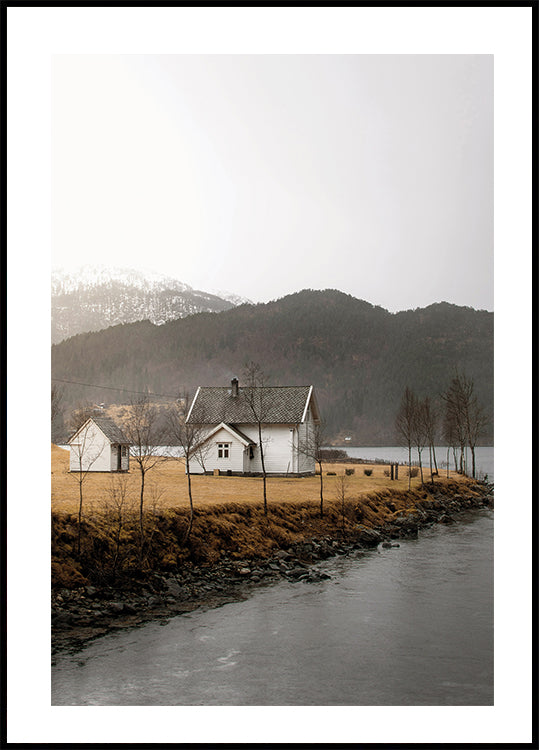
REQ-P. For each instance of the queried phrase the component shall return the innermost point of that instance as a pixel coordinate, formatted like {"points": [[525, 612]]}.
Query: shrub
{"points": [[367, 472], [332, 454], [349, 472], [413, 472], [387, 473]]}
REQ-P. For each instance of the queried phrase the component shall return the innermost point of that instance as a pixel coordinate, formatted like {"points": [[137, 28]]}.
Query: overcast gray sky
{"points": [[266, 174]]}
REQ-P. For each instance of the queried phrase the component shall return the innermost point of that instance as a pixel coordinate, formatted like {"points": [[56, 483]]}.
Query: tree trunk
{"points": [[192, 511], [409, 466], [141, 516], [321, 491], [80, 516], [263, 468]]}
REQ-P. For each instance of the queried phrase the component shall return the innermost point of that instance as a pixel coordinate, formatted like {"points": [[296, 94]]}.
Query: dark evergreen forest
{"points": [[358, 356]]}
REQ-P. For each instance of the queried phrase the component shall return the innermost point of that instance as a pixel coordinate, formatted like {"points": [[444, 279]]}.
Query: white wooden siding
{"points": [[90, 451], [280, 444], [234, 462]]}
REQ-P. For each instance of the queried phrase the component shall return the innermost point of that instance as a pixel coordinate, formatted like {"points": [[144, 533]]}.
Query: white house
{"points": [[230, 418], [98, 445]]}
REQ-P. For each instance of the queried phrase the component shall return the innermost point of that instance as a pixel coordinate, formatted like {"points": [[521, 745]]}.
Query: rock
{"points": [[61, 620], [386, 545], [446, 519], [244, 571], [173, 587], [91, 591], [369, 537], [116, 608]]}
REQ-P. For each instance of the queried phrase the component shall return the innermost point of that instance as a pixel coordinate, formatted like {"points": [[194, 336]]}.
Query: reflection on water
{"points": [[405, 626]]}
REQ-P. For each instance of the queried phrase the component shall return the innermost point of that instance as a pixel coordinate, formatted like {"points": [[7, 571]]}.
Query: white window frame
{"points": [[223, 450]]}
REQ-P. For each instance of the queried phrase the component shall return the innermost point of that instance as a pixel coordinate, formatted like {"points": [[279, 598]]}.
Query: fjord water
{"points": [[411, 625], [484, 457]]}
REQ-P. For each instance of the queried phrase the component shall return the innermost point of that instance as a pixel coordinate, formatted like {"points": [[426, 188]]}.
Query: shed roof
{"points": [[269, 404], [108, 427]]}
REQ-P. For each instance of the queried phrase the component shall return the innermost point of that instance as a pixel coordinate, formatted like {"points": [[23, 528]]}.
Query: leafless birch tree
{"points": [[190, 438], [86, 449], [429, 417], [465, 418], [404, 425], [259, 402], [143, 432], [312, 447]]}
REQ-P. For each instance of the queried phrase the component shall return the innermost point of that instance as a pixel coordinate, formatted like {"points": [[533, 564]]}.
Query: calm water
{"points": [[484, 457], [405, 626]]}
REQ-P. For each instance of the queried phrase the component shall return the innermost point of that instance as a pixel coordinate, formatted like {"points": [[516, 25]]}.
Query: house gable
{"points": [[98, 445]]}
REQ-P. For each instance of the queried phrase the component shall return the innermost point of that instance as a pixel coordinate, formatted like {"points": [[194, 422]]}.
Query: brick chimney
{"points": [[235, 389]]}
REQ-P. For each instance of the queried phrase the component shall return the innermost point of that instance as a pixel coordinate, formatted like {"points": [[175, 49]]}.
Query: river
{"points": [[411, 625]]}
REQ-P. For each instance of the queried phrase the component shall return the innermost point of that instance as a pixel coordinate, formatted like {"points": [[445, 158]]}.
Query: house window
{"points": [[223, 450], [124, 451]]}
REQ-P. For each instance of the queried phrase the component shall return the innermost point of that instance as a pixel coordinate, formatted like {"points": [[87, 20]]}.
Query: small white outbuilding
{"points": [[98, 445]]}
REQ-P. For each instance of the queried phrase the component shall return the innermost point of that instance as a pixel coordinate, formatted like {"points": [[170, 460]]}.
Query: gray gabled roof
{"points": [[273, 404], [109, 428]]}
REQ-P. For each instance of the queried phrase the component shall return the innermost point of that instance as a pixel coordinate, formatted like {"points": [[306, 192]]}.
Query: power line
{"points": [[110, 388]]}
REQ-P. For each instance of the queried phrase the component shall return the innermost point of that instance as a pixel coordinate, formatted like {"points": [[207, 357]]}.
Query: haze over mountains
{"points": [[95, 297], [359, 357]]}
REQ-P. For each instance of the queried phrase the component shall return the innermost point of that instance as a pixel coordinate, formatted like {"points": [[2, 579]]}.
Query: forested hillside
{"points": [[359, 357]]}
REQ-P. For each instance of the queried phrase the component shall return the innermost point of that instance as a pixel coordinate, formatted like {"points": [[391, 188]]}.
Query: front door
{"points": [[119, 468]]}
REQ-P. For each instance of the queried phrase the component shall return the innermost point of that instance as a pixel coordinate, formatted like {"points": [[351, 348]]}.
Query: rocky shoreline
{"points": [[80, 615]]}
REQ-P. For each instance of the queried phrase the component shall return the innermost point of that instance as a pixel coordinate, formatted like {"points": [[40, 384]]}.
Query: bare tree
{"points": [[143, 432], [455, 399], [87, 448], [190, 437], [341, 494], [477, 422], [119, 511], [450, 437], [428, 416], [258, 400], [419, 433], [404, 425], [465, 417], [312, 447]]}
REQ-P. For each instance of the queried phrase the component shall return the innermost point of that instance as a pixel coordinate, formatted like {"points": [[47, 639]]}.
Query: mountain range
{"points": [[359, 357], [96, 297]]}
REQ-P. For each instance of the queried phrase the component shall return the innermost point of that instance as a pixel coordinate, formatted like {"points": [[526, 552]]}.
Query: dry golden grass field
{"points": [[166, 485]]}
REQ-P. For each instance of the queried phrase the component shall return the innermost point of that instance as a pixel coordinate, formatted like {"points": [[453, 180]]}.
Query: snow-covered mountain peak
{"points": [[88, 276]]}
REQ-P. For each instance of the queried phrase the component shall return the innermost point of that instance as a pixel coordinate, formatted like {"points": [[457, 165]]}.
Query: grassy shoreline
{"points": [[232, 548]]}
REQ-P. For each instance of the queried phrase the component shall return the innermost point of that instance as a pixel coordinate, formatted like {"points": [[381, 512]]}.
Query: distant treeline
{"points": [[359, 357]]}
